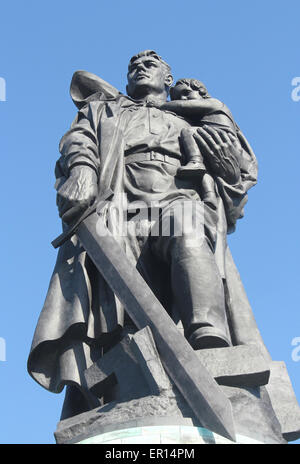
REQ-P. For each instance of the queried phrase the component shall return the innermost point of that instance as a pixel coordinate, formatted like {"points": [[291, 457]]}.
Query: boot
{"points": [[199, 298]]}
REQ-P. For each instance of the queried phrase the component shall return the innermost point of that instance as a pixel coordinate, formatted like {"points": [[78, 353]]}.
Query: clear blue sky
{"points": [[247, 52]]}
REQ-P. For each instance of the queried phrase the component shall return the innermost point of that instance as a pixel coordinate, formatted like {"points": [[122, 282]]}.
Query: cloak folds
{"points": [[81, 315]]}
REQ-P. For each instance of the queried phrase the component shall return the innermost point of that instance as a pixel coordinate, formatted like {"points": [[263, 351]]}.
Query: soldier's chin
{"points": [[143, 82], [140, 89]]}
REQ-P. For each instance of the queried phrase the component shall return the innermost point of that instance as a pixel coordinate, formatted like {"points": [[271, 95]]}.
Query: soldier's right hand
{"points": [[77, 193]]}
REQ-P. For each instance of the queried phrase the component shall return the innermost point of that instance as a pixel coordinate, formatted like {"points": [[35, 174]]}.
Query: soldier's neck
{"points": [[152, 97]]}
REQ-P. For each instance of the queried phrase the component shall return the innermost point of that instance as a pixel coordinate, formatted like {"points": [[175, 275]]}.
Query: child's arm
{"points": [[192, 108]]}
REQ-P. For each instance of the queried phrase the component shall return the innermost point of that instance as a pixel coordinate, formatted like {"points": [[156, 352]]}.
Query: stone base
{"points": [[165, 434], [139, 396], [253, 415]]}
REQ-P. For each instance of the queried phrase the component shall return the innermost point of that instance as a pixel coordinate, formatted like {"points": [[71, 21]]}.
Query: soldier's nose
{"points": [[141, 66]]}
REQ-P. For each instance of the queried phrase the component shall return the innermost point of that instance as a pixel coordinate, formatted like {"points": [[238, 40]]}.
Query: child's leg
{"points": [[195, 165], [190, 146], [208, 189]]}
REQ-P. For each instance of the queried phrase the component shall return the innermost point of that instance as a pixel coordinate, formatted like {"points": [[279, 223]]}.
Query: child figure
{"points": [[189, 98]]}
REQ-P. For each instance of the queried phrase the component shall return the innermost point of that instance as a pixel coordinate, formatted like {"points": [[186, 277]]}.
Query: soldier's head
{"points": [[148, 74], [188, 89]]}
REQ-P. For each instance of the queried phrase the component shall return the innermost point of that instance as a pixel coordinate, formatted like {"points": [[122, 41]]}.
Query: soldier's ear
{"points": [[169, 80]]}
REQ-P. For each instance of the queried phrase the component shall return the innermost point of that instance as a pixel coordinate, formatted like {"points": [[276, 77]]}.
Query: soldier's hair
{"points": [[154, 55], [194, 84]]}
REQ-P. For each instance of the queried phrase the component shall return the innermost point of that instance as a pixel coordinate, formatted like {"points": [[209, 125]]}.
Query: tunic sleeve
{"points": [[79, 146]]}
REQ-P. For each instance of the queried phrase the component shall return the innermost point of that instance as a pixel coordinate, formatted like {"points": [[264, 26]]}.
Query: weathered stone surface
{"points": [[118, 373], [149, 410], [240, 366], [284, 401], [132, 369], [146, 354], [253, 414]]}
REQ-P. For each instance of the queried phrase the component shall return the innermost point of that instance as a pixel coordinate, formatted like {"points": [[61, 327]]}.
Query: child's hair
{"points": [[194, 84]]}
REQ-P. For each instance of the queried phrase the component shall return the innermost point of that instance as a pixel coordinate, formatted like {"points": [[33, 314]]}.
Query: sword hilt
{"points": [[71, 230]]}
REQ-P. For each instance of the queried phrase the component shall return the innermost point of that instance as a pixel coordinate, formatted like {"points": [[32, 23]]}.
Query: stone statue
{"points": [[153, 152]]}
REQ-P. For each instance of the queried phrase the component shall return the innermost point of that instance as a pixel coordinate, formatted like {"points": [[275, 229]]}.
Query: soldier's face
{"points": [[146, 75]]}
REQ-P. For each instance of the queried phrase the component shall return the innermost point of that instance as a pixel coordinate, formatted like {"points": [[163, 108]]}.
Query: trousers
{"points": [[196, 284]]}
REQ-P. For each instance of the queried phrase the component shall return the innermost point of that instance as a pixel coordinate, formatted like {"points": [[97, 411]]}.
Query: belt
{"points": [[151, 156]]}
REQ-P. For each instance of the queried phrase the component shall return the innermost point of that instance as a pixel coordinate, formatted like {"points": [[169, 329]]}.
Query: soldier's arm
{"points": [[79, 146], [78, 166]]}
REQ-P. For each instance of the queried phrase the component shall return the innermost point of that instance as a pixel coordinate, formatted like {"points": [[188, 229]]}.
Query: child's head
{"points": [[188, 89]]}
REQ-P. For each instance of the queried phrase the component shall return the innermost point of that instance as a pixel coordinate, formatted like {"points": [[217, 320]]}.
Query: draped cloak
{"points": [[81, 314]]}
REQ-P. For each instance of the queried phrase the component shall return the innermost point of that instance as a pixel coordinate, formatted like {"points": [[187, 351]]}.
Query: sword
{"points": [[198, 387]]}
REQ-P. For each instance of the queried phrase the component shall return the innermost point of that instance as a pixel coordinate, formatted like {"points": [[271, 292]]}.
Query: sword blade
{"points": [[198, 387]]}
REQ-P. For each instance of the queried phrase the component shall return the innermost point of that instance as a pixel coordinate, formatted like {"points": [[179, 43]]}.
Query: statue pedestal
{"points": [[166, 419], [165, 434], [146, 407]]}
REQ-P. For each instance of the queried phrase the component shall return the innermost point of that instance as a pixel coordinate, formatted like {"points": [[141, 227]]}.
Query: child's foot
{"points": [[210, 199], [191, 169]]}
